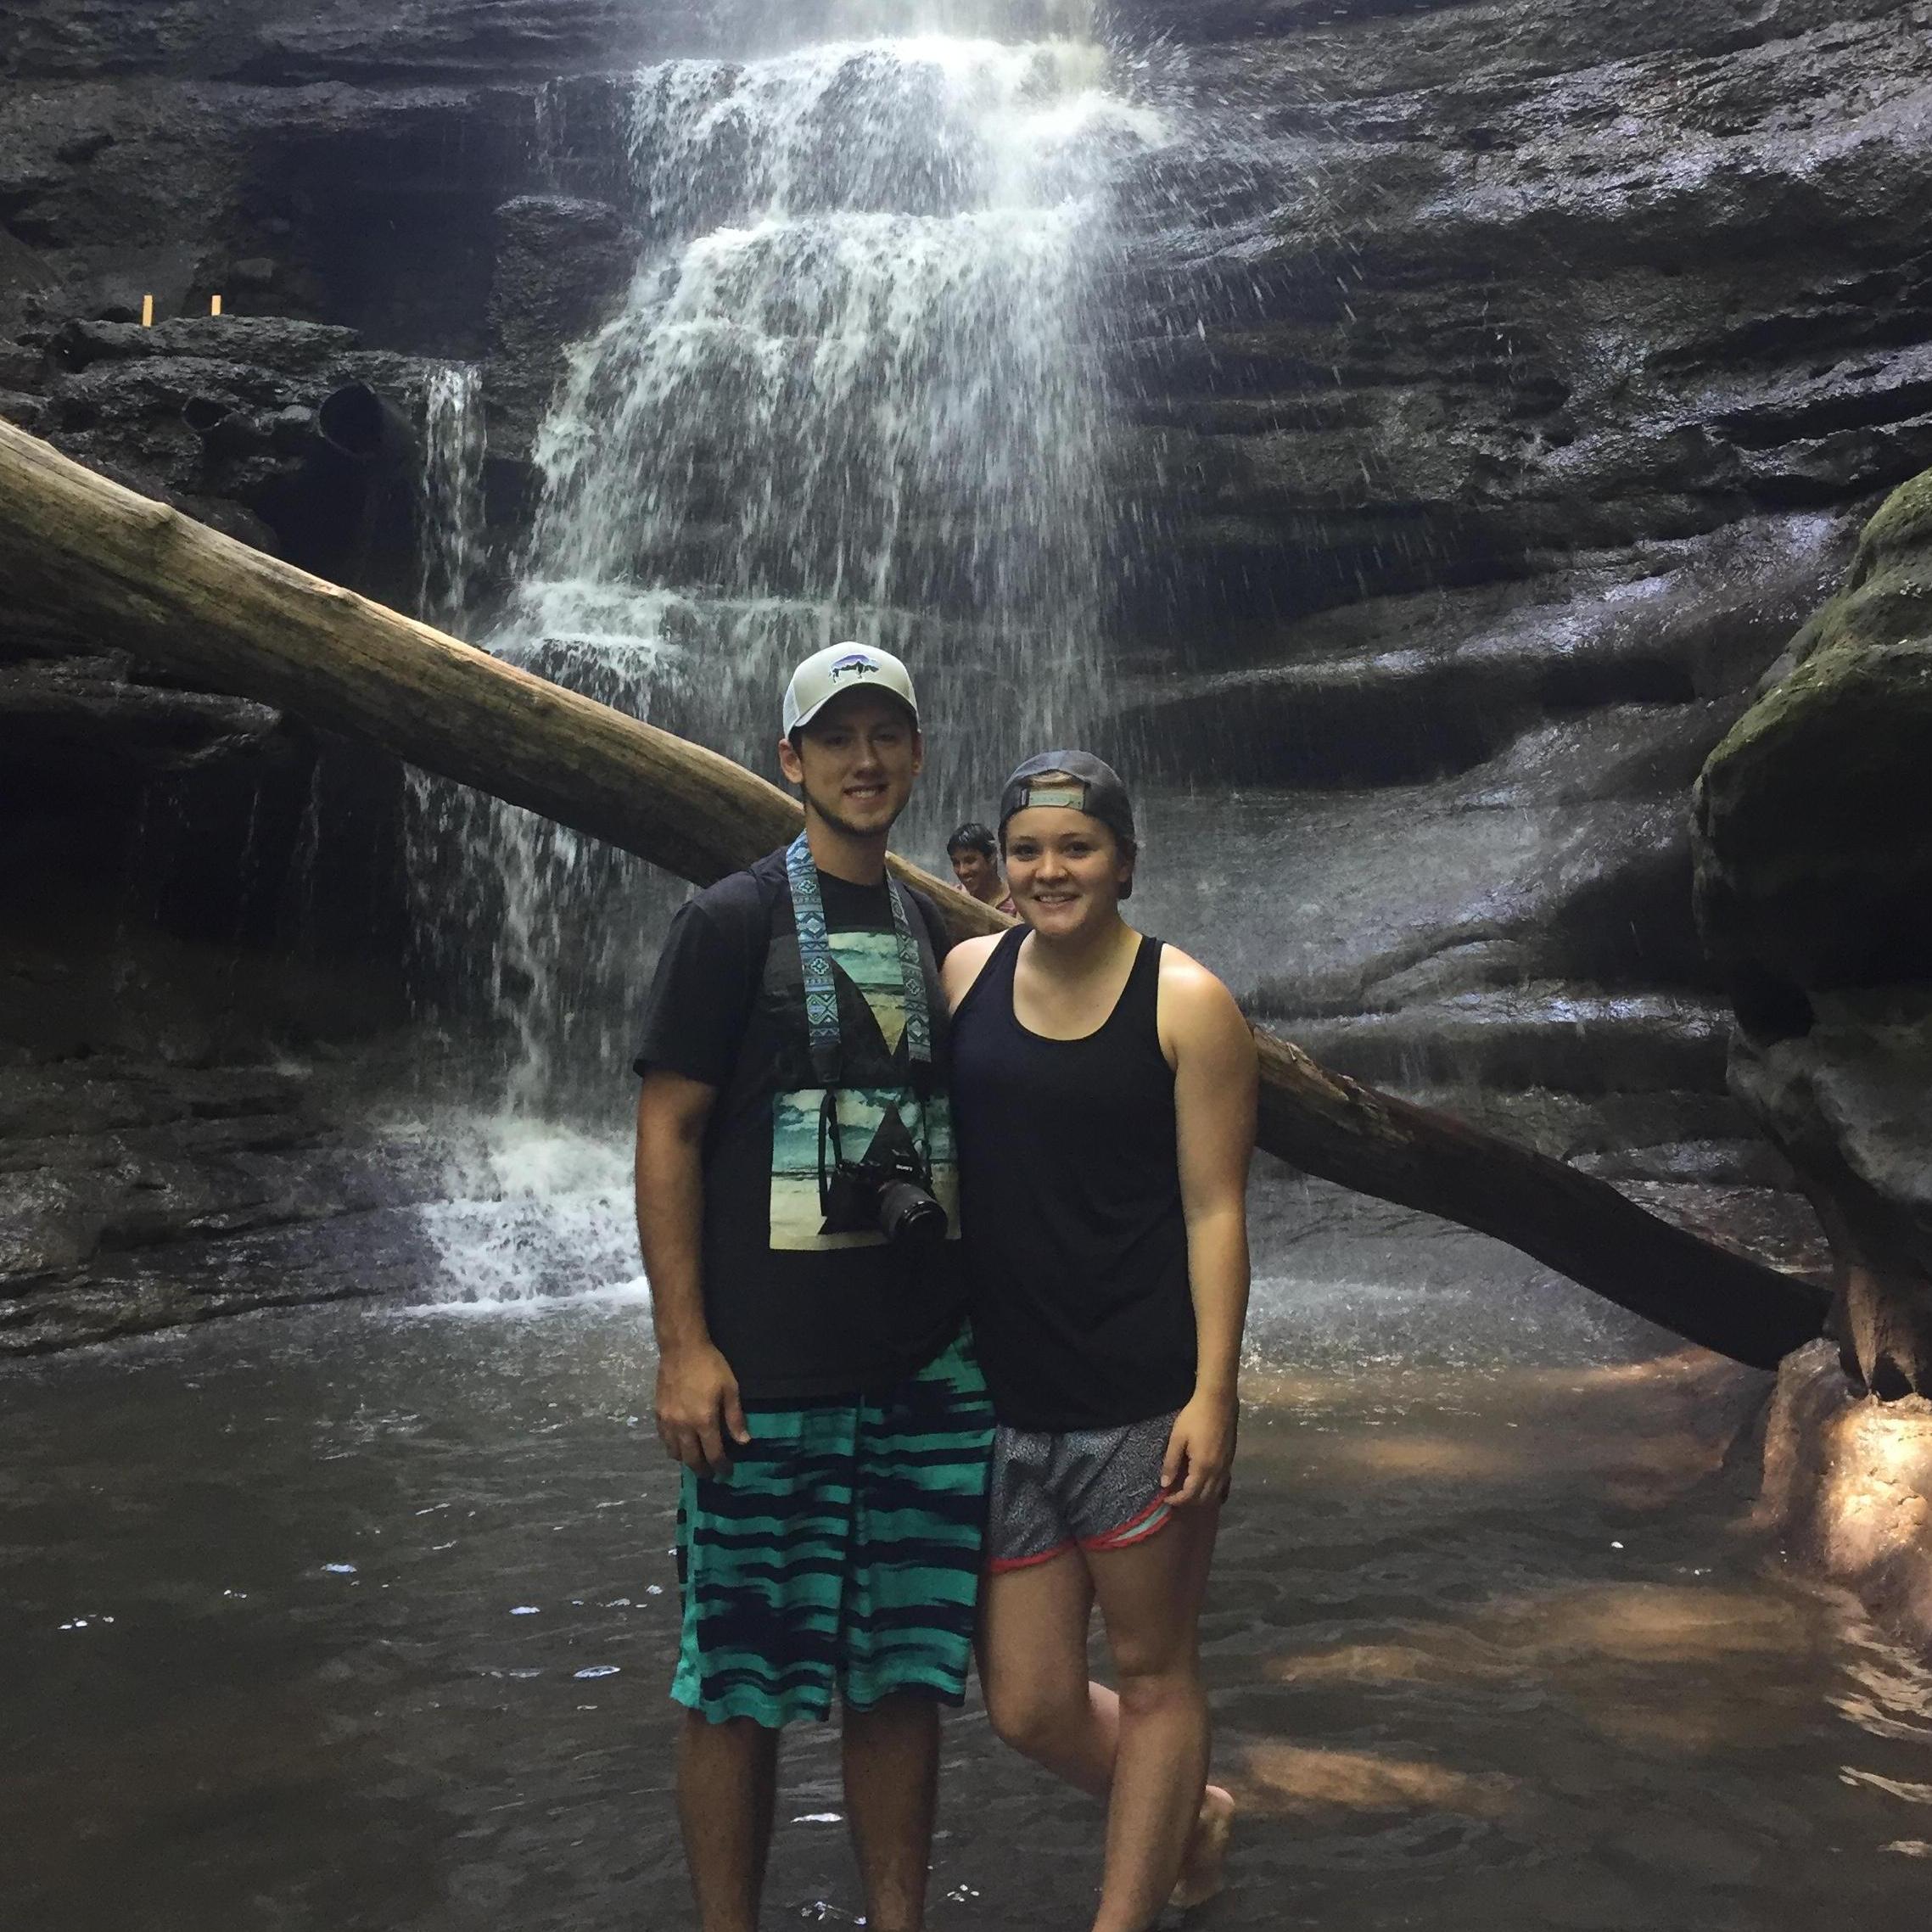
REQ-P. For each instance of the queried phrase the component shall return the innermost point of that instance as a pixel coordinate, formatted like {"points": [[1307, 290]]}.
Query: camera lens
{"points": [[910, 1217]]}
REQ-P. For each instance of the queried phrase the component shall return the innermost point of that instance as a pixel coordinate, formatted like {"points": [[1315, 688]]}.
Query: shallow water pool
{"points": [[355, 1618]]}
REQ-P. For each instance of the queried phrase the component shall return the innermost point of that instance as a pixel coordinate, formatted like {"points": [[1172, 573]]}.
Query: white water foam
{"points": [[538, 1215]]}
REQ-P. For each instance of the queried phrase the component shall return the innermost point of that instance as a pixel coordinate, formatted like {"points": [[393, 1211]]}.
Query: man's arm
{"points": [[697, 1395], [1216, 1082]]}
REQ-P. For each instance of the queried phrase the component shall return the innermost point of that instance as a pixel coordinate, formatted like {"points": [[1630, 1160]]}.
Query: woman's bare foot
{"points": [[1200, 1876]]}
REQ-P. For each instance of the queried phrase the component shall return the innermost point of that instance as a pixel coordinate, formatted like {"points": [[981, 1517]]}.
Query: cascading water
{"points": [[854, 390], [454, 442]]}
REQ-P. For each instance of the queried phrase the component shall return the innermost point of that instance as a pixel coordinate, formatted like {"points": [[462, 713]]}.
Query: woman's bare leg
{"points": [[1032, 1670], [1150, 1596]]}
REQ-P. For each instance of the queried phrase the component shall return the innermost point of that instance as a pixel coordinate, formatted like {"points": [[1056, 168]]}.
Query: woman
{"points": [[1104, 1101]]}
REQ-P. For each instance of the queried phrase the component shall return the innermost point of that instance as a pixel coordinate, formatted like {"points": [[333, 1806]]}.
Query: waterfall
{"points": [[453, 445], [853, 390], [849, 392]]}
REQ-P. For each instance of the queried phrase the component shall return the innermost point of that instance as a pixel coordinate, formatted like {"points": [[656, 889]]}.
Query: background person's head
{"points": [[1066, 834], [852, 742], [975, 855]]}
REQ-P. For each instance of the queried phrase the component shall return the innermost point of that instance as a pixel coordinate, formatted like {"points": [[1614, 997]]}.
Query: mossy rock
{"points": [[1814, 815]]}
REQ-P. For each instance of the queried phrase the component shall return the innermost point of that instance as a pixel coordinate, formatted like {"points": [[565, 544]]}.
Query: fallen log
{"points": [[178, 593]]}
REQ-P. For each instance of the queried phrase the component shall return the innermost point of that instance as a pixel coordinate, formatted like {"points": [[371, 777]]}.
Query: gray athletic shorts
{"points": [[1086, 1489]]}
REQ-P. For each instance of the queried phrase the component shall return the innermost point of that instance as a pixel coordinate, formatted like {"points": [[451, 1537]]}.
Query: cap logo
{"points": [[1072, 797], [856, 665]]}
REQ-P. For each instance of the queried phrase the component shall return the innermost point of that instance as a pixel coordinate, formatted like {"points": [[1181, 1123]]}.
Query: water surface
{"points": [[363, 1618]]}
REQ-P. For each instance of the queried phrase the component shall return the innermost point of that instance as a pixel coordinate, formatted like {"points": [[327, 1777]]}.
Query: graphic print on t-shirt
{"points": [[870, 961]]}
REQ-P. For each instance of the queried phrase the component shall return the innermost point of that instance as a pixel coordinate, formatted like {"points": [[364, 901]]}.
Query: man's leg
{"points": [[910, 1583], [727, 1775], [759, 1552], [890, 1759], [1150, 1596]]}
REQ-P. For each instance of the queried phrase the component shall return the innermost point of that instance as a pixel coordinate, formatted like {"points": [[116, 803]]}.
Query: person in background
{"points": [[796, 1185], [975, 855], [1103, 1090]]}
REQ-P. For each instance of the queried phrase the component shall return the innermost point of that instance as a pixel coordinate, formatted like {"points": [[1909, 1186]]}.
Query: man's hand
{"points": [[698, 1410], [1199, 1464]]}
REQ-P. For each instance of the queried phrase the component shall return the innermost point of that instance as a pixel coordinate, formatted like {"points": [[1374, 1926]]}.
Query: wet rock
{"points": [[136, 1194], [348, 1257], [1813, 869], [84, 724], [1436, 291], [334, 39], [562, 263], [1538, 1033], [1849, 1103], [1813, 865], [276, 344], [1846, 1484], [48, 1227], [28, 412], [21, 366], [1396, 688]]}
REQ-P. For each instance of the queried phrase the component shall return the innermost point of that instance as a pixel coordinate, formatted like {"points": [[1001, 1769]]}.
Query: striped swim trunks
{"points": [[1094, 1489], [841, 1553]]}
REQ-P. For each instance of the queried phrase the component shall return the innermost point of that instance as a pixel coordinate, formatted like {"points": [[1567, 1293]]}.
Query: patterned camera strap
{"points": [[821, 987]]}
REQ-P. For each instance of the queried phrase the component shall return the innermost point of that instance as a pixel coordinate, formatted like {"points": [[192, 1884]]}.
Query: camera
{"points": [[889, 1191]]}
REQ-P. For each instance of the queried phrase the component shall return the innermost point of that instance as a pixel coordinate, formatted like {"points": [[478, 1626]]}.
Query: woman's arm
{"points": [[963, 965], [1216, 1082]]}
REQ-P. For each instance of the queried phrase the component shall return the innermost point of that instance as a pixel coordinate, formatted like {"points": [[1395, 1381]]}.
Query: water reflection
{"points": [[392, 1609]]}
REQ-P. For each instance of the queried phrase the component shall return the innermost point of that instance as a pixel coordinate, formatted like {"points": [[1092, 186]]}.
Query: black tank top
{"points": [[1070, 1204]]}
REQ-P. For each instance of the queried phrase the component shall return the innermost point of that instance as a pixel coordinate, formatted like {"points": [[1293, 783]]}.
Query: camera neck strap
{"points": [[821, 986]]}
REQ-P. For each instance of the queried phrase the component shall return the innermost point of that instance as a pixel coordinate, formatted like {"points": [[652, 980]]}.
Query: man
{"points": [[974, 852], [795, 1167]]}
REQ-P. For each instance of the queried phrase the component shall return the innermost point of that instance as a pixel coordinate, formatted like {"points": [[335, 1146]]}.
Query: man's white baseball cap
{"points": [[841, 668]]}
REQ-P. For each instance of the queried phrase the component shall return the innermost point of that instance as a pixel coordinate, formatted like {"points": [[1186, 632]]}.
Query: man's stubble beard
{"points": [[838, 823]]}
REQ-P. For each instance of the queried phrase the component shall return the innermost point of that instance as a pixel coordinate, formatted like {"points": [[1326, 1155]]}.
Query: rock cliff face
{"points": [[1497, 385], [1505, 380], [1450, 291], [1814, 876]]}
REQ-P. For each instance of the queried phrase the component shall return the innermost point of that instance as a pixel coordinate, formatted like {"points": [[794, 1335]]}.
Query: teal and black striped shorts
{"points": [[840, 1553]]}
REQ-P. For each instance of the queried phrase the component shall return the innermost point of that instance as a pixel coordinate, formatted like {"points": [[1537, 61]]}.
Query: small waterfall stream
{"points": [[454, 441]]}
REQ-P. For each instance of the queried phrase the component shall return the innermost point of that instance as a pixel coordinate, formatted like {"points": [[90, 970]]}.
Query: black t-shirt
{"points": [[800, 1313]]}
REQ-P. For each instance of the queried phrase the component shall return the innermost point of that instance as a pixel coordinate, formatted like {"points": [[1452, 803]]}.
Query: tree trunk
{"points": [[182, 595]]}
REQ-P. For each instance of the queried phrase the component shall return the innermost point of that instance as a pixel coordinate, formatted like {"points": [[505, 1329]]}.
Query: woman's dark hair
{"points": [[973, 836]]}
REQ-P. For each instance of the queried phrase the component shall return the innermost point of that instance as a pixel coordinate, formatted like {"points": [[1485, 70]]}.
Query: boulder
{"points": [[1849, 1103], [1813, 867], [1814, 862], [1846, 1484]]}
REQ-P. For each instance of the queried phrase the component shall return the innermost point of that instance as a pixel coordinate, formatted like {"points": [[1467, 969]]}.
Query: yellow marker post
{"points": [[214, 305], [146, 311]]}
